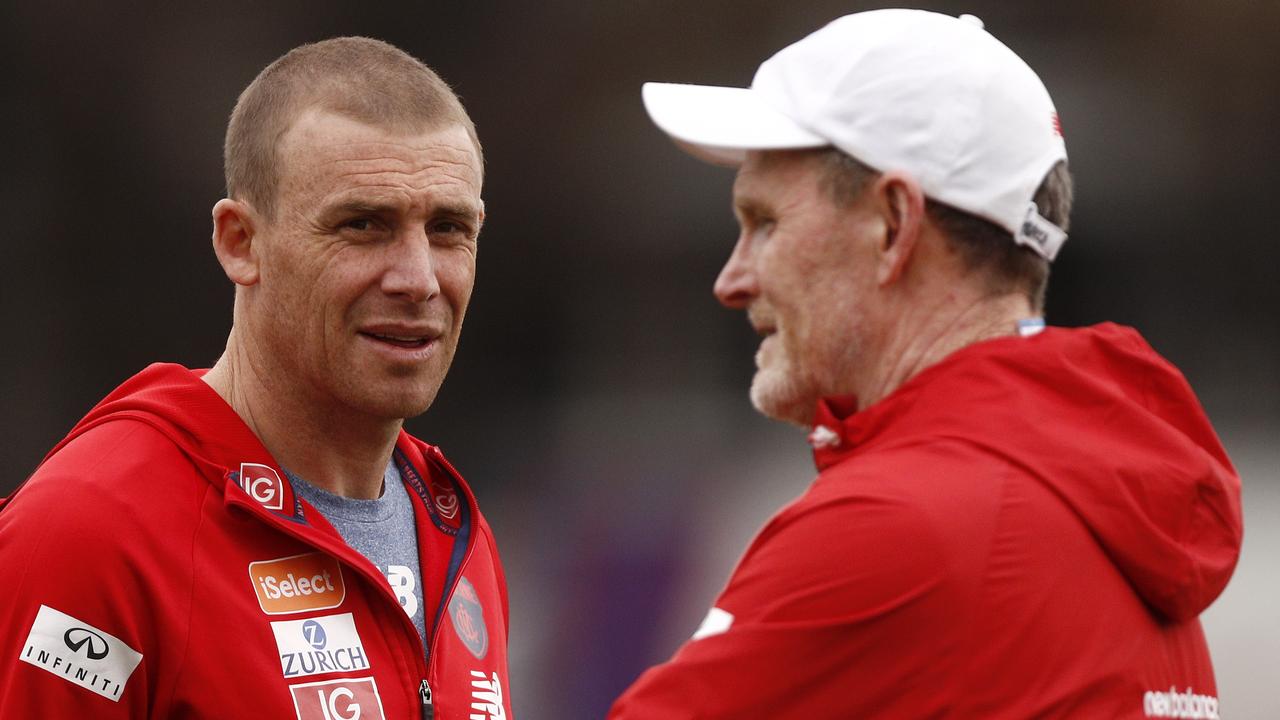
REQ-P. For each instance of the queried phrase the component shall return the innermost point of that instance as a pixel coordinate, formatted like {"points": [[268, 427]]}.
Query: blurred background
{"points": [[598, 402]]}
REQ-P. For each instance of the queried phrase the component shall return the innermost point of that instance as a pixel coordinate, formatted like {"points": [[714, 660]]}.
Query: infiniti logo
{"points": [[78, 637], [79, 653]]}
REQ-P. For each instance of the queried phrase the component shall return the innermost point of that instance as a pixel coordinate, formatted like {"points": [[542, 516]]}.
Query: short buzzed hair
{"points": [[983, 246], [361, 78]]}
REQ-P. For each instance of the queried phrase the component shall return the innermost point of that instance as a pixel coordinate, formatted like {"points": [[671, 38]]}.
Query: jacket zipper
{"points": [[424, 693], [424, 689]]}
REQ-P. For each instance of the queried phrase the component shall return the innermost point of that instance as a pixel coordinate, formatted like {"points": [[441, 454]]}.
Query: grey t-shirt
{"points": [[382, 530]]}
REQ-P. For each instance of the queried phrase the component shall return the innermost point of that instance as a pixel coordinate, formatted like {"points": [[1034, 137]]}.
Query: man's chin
{"points": [[400, 401], [778, 397]]}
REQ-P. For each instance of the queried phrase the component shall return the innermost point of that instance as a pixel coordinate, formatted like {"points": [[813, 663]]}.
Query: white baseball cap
{"points": [[928, 94]]}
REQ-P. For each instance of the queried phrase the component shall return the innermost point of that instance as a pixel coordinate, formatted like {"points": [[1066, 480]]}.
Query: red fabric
{"points": [[135, 525], [1027, 529]]}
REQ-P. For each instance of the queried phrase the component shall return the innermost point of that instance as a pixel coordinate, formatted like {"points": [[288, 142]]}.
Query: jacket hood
{"points": [[175, 401], [178, 403], [1107, 424]]}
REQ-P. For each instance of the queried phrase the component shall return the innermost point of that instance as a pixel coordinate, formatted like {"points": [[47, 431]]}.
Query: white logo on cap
{"points": [[1039, 234]]}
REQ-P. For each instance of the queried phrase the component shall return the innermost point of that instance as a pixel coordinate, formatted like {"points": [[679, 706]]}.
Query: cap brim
{"points": [[720, 124]]}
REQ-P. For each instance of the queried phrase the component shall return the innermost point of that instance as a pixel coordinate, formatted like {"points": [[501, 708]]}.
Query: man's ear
{"points": [[235, 226], [900, 203]]}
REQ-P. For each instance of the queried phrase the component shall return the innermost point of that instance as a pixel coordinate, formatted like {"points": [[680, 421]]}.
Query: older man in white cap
{"points": [[1008, 520]]}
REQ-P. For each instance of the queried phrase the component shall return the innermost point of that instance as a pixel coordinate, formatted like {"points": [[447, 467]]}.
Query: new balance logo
{"points": [[486, 697], [1174, 704]]}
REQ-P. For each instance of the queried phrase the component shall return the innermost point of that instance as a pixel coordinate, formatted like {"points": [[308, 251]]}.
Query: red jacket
{"points": [[1027, 529], [156, 566]]}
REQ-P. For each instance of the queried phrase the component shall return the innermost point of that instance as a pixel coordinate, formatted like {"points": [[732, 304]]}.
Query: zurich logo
{"points": [[95, 646], [314, 633]]}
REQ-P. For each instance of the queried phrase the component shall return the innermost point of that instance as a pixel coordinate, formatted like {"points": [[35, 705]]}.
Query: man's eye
{"points": [[448, 227], [758, 224], [360, 224]]}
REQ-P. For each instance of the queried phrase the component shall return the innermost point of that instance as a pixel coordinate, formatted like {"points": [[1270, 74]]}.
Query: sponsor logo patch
{"points": [[311, 581], [355, 699], [1175, 704], [403, 582], [486, 697], [716, 622], [468, 619], [319, 645], [263, 484], [79, 653]]}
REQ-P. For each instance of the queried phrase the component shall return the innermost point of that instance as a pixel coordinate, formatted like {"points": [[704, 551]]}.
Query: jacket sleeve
{"points": [[86, 617], [833, 612]]}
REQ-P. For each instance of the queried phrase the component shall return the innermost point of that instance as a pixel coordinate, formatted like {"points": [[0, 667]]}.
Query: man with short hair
{"points": [[1008, 520], [263, 539]]}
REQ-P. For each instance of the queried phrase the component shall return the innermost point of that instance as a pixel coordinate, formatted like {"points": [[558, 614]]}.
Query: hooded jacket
{"points": [[158, 565], [1028, 528]]}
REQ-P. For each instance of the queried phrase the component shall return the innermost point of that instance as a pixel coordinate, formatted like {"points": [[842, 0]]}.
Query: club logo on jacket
{"points": [[298, 583], [263, 484], [445, 498], [468, 618], [319, 645], [352, 699], [79, 653]]}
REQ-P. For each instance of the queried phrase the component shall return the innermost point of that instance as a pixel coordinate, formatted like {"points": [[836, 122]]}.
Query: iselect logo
{"points": [[319, 645], [312, 581], [79, 653]]}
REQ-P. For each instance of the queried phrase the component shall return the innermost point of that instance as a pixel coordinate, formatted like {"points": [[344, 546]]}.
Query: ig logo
{"points": [[350, 699], [263, 485]]}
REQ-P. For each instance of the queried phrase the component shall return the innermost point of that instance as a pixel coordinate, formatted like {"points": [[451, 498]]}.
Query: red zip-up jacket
{"points": [[158, 565], [1027, 529]]}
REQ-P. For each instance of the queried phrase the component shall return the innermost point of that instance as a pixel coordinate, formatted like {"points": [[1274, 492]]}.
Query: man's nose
{"points": [[412, 274], [737, 284]]}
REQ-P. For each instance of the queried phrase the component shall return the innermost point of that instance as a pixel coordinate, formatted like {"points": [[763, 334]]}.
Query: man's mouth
{"points": [[761, 322], [764, 331], [404, 341], [403, 336]]}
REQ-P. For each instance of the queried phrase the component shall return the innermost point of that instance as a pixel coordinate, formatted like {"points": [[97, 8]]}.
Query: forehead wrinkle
{"points": [[450, 198], [427, 153], [776, 182], [396, 171], [393, 172]]}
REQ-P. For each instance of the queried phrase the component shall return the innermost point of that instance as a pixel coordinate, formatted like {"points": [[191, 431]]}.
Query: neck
{"points": [[926, 333], [329, 446]]}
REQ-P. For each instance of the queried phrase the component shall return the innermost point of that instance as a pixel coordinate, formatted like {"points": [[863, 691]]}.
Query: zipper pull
{"points": [[424, 692]]}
